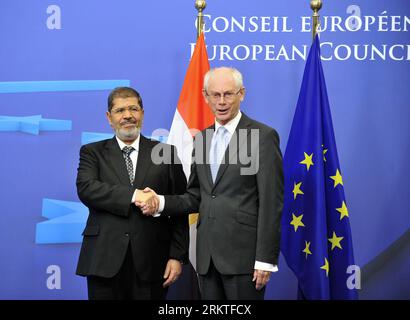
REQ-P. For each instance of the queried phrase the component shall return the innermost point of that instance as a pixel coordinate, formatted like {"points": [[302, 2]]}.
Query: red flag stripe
{"points": [[191, 105]]}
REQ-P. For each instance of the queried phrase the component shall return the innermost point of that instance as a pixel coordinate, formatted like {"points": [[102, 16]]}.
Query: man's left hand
{"points": [[261, 277], [172, 272]]}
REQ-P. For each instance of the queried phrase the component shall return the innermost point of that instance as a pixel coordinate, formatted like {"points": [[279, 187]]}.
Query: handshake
{"points": [[148, 201]]}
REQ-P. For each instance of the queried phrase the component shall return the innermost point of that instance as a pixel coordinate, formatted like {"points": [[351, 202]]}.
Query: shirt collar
{"points": [[231, 125], [135, 144]]}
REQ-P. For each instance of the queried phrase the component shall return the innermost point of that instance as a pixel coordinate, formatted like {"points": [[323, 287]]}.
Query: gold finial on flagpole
{"points": [[316, 5], [200, 5]]}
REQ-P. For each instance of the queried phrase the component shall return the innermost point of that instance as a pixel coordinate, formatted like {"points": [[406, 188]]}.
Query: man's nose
{"points": [[127, 114], [222, 99]]}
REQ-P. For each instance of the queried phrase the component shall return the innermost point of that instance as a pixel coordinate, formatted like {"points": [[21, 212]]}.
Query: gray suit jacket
{"points": [[239, 214]]}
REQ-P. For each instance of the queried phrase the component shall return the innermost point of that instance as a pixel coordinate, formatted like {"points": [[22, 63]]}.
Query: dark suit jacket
{"points": [[239, 215], [114, 222]]}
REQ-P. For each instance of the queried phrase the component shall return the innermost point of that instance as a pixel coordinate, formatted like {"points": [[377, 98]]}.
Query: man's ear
{"points": [[108, 114], [243, 94], [205, 96]]}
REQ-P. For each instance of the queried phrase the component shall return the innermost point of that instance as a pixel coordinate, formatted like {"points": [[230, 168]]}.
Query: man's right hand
{"points": [[147, 200]]}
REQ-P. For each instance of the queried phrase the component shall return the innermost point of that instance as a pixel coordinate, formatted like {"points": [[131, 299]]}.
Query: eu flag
{"points": [[316, 240]]}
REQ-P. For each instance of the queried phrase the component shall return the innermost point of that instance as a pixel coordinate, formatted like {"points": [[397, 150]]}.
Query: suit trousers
{"points": [[125, 285], [216, 286]]}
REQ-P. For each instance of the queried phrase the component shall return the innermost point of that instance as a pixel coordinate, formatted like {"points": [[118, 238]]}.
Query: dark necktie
{"points": [[126, 151]]}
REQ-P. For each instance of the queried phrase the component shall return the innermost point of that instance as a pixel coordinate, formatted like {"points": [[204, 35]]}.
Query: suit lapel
{"points": [[115, 158], [207, 146], [233, 147], [143, 162]]}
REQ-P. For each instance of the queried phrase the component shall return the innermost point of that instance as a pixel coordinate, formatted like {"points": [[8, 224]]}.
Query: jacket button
{"points": [[127, 234], [213, 196]]}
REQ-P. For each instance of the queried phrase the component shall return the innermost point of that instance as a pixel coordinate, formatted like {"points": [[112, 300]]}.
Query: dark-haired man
{"points": [[124, 254]]}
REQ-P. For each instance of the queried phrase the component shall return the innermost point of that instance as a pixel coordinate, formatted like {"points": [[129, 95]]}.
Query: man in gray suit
{"points": [[236, 185]]}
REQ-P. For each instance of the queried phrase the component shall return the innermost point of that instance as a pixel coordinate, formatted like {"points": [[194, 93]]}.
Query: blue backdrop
{"points": [[59, 59]]}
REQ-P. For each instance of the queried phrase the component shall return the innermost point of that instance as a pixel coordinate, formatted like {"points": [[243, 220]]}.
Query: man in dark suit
{"points": [[124, 254], [236, 185]]}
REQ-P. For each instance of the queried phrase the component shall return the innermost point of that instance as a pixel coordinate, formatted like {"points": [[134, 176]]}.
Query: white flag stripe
{"points": [[181, 138]]}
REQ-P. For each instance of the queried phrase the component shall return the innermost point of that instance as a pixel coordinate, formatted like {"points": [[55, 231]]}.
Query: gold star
{"points": [[324, 152], [337, 178], [297, 221], [296, 189], [307, 161], [343, 211], [326, 267], [307, 249], [335, 241]]}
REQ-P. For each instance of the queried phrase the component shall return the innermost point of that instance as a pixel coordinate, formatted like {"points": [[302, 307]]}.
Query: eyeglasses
{"points": [[228, 96], [131, 109]]}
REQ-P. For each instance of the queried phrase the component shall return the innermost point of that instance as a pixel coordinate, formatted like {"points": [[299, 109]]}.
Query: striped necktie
{"points": [[126, 151]]}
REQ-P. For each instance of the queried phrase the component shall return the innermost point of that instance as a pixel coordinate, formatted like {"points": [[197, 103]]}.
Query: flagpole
{"points": [[316, 5], [200, 5]]}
